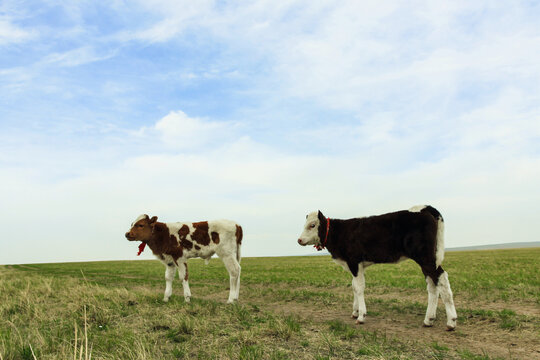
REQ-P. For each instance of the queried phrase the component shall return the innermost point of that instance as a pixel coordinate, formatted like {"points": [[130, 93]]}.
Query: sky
{"points": [[261, 112]]}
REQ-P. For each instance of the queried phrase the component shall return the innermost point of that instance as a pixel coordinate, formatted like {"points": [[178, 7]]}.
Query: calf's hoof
{"points": [[354, 315], [361, 319], [165, 299], [429, 322], [451, 325], [187, 299]]}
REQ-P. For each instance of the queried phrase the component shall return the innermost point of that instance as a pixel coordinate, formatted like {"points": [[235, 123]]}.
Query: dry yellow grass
{"points": [[290, 308]]}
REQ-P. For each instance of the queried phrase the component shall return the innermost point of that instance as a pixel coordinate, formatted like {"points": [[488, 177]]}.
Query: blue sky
{"points": [[262, 112]]}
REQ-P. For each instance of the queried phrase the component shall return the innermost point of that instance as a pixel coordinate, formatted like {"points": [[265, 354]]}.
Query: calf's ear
{"points": [[321, 217], [152, 223]]}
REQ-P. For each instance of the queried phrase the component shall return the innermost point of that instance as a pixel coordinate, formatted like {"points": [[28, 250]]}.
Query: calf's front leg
{"points": [[183, 274], [359, 304], [169, 277]]}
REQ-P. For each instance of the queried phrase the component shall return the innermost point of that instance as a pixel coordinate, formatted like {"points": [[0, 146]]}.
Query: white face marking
{"points": [[140, 217], [310, 235]]}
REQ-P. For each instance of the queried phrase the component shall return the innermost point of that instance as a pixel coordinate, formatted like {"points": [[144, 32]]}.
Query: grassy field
{"points": [[290, 308]]}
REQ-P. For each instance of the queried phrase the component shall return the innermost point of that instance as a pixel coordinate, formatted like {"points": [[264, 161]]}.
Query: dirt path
{"points": [[479, 335]]}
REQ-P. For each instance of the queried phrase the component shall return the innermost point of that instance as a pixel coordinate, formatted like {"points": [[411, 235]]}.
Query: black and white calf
{"points": [[417, 234]]}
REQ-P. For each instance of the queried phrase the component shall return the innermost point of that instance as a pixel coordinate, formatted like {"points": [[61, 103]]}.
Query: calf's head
{"points": [[314, 229], [142, 228]]}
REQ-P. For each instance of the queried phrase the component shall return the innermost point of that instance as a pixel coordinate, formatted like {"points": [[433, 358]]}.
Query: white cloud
{"points": [[76, 57], [181, 131], [178, 131], [173, 18], [12, 34], [15, 79], [508, 125]]}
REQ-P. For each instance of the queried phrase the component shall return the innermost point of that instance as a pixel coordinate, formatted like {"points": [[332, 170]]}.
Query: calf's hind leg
{"points": [[233, 267], [355, 301], [448, 299], [437, 283], [433, 298]]}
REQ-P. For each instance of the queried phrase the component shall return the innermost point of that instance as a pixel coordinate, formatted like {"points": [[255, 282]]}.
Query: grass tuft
{"points": [[344, 331], [26, 353], [250, 352]]}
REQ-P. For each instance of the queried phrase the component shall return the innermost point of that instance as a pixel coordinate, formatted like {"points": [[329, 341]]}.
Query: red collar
{"points": [[141, 248], [323, 245]]}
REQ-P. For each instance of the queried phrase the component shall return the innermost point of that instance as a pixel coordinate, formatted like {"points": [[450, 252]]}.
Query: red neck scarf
{"points": [[141, 248], [323, 245]]}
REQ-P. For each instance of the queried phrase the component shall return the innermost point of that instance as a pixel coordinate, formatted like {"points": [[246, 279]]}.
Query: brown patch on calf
{"points": [[176, 251], [197, 247], [215, 237], [186, 244], [186, 276], [200, 234], [183, 232], [163, 242], [239, 234]]}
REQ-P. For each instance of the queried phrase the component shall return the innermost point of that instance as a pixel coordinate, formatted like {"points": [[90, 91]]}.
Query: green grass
{"points": [[45, 308], [493, 275]]}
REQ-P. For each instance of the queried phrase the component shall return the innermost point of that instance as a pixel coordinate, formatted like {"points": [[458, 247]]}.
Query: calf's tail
{"points": [[439, 252], [239, 235]]}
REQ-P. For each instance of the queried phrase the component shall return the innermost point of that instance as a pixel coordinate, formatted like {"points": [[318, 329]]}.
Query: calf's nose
{"points": [[300, 241], [127, 235]]}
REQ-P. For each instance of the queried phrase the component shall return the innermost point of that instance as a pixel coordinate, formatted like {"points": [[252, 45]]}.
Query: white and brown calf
{"points": [[174, 243], [417, 234]]}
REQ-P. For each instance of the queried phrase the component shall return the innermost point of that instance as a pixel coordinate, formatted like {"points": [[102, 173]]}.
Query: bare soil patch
{"points": [[478, 334], [482, 336]]}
